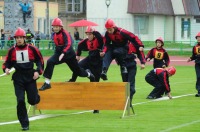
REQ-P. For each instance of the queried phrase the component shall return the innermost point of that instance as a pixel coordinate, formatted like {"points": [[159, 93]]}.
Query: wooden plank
{"points": [[84, 96]]}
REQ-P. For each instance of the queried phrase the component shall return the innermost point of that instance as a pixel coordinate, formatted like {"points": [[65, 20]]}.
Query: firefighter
{"points": [[93, 43], [131, 66], [64, 53], [22, 57], [116, 46], [159, 54], [159, 79], [196, 57]]}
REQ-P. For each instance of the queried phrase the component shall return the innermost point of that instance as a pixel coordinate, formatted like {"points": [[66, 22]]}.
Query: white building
{"points": [[171, 19]]}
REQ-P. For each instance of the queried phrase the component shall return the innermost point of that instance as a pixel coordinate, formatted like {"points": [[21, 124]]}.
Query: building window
{"points": [[74, 6], [197, 18], [141, 24], [39, 24], [185, 27], [45, 24]]}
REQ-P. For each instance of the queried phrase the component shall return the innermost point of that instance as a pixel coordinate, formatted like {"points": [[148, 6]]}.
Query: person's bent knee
{"points": [[34, 101]]}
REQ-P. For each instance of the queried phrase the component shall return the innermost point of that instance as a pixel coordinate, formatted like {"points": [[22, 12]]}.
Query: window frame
{"points": [[73, 3]]}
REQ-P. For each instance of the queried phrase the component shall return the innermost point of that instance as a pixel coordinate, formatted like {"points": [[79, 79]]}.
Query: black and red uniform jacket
{"points": [[94, 46], [120, 38], [133, 53], [160, 56], [63, 43], [196, 53], [22, 58], [163, 77]]}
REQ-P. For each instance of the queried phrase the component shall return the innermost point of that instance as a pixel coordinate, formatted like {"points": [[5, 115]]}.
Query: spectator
{"points": [[3, 37], [10, 41], [76, 34], [37, 38], [51, 42], [29, 36]]}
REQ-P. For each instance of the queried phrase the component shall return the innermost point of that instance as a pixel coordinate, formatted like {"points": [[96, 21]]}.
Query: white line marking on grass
{"points": [[56, 115], [180, 126], [163, 98], [38, 117]]}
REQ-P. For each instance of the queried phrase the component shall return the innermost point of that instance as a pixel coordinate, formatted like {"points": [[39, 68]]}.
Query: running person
{"points": [[22, 57]]}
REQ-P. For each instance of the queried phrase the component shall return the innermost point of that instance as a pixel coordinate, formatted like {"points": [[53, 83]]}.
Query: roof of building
{"points": [[164, 7]]}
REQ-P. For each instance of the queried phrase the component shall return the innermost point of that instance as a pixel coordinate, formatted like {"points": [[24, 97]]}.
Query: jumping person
{"points": [[22, 57], [131, 66], [116, 43], [159, 79], [93, 43], [159, 54], [93, 61], [196, 57], [64, 53]]}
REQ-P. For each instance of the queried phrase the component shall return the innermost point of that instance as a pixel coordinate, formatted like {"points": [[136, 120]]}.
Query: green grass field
{"points": [[176, 115]]}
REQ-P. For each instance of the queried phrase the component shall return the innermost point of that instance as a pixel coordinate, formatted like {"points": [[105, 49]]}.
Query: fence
{"points": [[178, 47], [41, 44]]}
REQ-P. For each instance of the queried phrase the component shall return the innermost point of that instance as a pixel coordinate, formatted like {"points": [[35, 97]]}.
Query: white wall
{"points": [[195, 28], [169, 28], [97, 12]]}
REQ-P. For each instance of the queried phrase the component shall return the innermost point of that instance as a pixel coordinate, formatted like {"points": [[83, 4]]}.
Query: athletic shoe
{"points": [[124, 69], [95, 111], [104, 76], [25, 128], [197, 95], [70, 80], [45, 86], [91, 77], [150, 97]]}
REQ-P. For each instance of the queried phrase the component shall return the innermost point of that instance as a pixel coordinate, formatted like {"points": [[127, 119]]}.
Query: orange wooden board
{"points": [[84, 96]]}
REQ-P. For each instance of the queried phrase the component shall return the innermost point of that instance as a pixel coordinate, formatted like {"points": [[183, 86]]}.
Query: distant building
{"points": [[177, 20]]}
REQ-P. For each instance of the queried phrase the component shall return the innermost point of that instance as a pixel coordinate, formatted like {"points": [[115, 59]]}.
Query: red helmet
{"points": [[89, 29], [110, 23], [198, 35], [160, 39], [20, 32], [171, 70], [57, 22]]}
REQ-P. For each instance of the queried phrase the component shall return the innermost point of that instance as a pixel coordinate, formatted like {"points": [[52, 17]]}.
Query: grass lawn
{"points": [[176, 115]]}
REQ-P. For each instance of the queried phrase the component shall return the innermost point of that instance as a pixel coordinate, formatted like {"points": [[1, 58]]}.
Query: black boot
{"points": [[104, 74], [91, 76], [96, 111], [45, 86], [124, 69]]}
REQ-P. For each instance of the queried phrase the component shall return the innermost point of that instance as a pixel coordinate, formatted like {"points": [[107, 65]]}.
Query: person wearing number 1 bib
{"points": [[22, 57], [159, 54]]}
